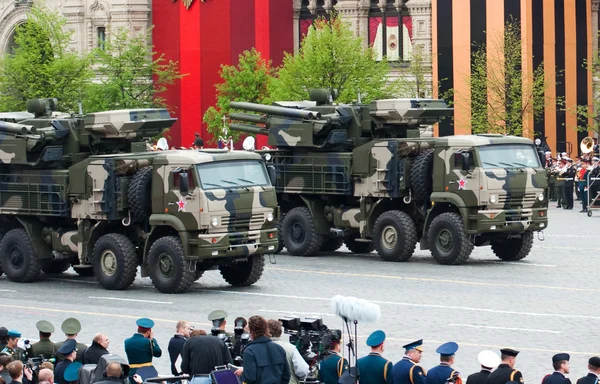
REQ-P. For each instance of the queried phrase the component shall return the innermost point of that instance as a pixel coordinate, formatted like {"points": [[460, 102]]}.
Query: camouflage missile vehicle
{"points": [[83, 191], [362, 175]]}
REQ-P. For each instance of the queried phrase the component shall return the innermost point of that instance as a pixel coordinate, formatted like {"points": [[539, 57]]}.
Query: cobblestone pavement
{"points": [[545, 304]]}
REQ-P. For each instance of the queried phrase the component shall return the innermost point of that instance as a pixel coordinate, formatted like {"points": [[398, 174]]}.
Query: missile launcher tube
{"points": [[279, 111]]}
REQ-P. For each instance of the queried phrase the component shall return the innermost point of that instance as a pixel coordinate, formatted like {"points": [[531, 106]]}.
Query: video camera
{"points": [[34, 363], [311, 337], [238, 343]]}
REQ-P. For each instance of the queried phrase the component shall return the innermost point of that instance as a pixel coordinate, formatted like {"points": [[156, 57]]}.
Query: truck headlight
{"points": [[541, 197], [493, 199], [270, 217], [214, 221]]}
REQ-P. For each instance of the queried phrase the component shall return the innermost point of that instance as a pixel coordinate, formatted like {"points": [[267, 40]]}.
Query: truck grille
{"points": [[517, 199], [242, 221]]}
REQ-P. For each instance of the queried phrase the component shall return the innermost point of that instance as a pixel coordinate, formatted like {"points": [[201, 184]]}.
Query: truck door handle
{"points": [[171, 203], [468, 177]]}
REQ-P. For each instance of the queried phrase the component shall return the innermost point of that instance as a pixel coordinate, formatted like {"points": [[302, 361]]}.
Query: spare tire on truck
{"points": [[139, 195], [421, 176]]}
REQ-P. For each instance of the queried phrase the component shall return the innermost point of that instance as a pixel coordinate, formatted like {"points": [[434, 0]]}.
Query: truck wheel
{"points": [[84, 272], [421, 175], [245, 273], [19, 261], [166, 262], [513, 249], [280, 244], [299, 233], [115, 261], [395, 236], [55, 267], [359, 246], [139, 195], [448, 241], [332, 244]]}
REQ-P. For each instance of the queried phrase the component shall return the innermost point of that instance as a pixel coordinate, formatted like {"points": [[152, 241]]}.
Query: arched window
{"points": [[384, 35]]}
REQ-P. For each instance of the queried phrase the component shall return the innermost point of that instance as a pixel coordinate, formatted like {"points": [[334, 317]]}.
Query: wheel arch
{"points": [[33, 227], [436, 210], [163, 225]]}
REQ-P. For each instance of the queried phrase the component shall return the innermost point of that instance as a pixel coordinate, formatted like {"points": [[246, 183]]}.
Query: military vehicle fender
{"points": [[444, 202], [34, 230], [164, 225], [317, 209]]}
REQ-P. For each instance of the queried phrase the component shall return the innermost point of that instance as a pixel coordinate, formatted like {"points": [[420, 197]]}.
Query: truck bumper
{"points": [[519, 220], [233, 244]]}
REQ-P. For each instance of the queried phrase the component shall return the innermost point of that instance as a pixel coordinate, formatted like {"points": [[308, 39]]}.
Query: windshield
{"points": [[508, 156], [232, 174]]}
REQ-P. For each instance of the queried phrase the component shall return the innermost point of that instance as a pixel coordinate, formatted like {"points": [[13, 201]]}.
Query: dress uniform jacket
{"points": [[80, 348], [44, 347], [332, 368], [407, 371], [16, 354], [374, 369], [439, 374], [591, 378], [140, 351], [505, 373], [479, 377], [555, 378]]}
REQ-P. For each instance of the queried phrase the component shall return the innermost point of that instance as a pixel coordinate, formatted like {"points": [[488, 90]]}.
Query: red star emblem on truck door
{"points": [[462, 183], [181, 205]]}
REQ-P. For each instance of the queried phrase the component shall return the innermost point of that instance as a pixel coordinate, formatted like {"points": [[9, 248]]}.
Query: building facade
{"points": [[90, 21]]}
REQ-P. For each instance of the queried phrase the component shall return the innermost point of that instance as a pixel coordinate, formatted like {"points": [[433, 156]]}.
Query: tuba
{"points": [[587, 145]]}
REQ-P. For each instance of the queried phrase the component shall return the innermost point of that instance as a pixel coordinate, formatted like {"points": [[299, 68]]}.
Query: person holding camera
{"points": [[201, 354], [11, 348], [141, 347], [264, 361], [17, 370], [333, 366], [299, 369]]}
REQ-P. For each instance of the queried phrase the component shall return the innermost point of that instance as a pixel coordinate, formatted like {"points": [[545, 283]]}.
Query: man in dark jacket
{"points": [[177, 342], [264, 361], [593, 377], [201, 354], [94, 352], [488, 360], [560, 363]]}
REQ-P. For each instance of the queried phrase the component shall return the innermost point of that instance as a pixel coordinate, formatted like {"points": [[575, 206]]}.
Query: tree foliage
{"points": [[331, 57], [42, 65], [131, 75], [417, 83], [248, 81], [500, 100]]}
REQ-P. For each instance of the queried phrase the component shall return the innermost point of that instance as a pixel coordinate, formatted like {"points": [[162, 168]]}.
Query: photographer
{"points": [[16, 370], [334, 365], [264, 361], [201, 354], [294, 359]]}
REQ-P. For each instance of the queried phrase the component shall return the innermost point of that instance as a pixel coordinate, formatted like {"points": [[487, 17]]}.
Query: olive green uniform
{"points": [[45, 347], [16, 354]]}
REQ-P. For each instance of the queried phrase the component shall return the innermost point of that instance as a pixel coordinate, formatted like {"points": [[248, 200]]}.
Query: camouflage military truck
{"points": [[363, 176], [83, 191]]}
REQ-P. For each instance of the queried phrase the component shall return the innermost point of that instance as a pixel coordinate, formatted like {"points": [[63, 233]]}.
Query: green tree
{"points": [[41, 65], [500, 100], [131, 75], [416, 82], [248, 81], [332, 57]]}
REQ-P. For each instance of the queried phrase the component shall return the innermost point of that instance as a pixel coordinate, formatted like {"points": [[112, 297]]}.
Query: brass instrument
{"points": [[587, 145]]}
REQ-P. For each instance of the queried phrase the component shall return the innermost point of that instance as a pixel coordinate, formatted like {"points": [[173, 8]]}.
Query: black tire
{"points": [[359, 246], [395, 236], [198, 274], [84, 272], [115, 261], [513, 249], [421, 175], [280, 244], [19, 261], [448, 241], [300, 234], [53, 267], [167, 266], [139, 195], [332, 244], [245, 273]]}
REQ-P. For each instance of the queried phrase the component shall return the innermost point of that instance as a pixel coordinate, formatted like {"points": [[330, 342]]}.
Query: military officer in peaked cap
{"points": [[408, 370], [11, 348], [68, 350], [560, 362], [45, 347], [142, 347], [374, 368], [506, 371], [444, 371], [217, 318], [488, 361], [71, 327]]}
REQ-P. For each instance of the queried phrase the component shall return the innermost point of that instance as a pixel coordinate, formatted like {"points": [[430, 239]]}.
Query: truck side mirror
{"points": [[466, 161], [184, 183], [272, 173]]}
